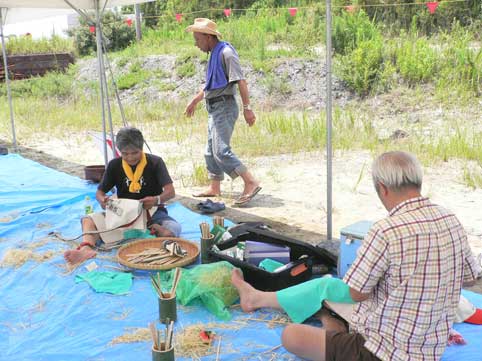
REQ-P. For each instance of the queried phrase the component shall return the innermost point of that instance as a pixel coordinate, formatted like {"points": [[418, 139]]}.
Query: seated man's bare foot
{"points": [[160, 231], [247, 293], [76, 256]]}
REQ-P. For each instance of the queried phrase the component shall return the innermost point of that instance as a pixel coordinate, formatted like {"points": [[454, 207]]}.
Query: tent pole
{"points": [[98, 37], [109, 111], [329, 150], [7, 81]]}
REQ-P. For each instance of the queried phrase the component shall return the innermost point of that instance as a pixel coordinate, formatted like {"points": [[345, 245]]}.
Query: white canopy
{"points": [[61, 4]]}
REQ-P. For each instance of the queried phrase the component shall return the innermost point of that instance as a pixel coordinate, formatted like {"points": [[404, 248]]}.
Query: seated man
{"points": [[135, 175], [406, 279]]}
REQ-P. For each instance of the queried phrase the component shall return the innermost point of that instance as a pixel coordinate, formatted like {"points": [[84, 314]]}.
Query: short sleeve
{"points": [[371, 263], [162, 173], [232, 65], [108, 181]]}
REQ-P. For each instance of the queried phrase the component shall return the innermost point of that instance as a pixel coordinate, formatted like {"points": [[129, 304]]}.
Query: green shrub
{"points": [[24, 45], [416, 60], [185, 65], [400, 17], [363, 67], [462, 64], [118, 34], [52, 84], [349, 29], [135, 76]]}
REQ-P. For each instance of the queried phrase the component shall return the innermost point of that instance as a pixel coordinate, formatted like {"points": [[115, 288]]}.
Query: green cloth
{"points": [[304, 300], [117, 283], [269, 264], [137, 233]]}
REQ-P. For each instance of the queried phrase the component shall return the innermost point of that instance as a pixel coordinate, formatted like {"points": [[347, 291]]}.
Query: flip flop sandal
{"points": [[207, 203], [248, 197], [212, 207]]}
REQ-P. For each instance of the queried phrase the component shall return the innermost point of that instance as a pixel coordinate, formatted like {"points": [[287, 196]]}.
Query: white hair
{"points": [[397, 170]]}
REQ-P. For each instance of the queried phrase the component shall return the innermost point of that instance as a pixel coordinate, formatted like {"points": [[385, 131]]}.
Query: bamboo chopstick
{"points": [[177, 278], [218, 349], [154, 336], [205, 232]]}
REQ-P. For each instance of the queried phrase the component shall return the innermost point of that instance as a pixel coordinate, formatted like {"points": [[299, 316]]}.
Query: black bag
{"points": [[305, 259]]}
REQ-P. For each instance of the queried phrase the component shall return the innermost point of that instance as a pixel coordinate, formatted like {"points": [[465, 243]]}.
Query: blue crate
{"points": [[351, 238]]}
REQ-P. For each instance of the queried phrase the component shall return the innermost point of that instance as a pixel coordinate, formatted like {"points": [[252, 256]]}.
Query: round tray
{"points": [[142, 244]]}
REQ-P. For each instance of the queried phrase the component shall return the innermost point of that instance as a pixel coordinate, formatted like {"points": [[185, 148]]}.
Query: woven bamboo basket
{"points": [[142, 244]]}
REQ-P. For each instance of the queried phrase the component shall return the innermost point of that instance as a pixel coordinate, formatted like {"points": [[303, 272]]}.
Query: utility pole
{"points": [[137, 11]]}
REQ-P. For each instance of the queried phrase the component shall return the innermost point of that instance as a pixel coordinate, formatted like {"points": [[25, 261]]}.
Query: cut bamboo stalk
{"points": [[154, 335]]}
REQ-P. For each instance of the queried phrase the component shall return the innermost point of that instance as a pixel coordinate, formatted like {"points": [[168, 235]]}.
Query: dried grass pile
{"points": [[137, 335], [189, 344], [18, 257]]}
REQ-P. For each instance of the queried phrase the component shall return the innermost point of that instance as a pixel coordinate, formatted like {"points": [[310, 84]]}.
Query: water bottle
{"points": [[88, 206]]}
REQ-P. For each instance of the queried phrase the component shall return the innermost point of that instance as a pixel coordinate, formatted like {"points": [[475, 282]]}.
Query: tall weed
{"points": [[350, 29], [416, 60], [24, 45], [362, 68]]}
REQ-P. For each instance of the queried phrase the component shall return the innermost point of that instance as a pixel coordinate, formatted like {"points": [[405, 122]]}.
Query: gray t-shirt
{"points": [[232, 69]]}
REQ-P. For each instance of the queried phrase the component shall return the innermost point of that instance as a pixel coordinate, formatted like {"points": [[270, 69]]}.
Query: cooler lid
{"points": [[357, 230]]}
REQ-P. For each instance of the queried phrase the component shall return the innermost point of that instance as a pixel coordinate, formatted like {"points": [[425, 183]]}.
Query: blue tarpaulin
{"points": [[45, 315]]}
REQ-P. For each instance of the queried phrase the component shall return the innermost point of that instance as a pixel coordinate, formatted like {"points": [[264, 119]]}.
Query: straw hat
{"points": [[205, 26]]}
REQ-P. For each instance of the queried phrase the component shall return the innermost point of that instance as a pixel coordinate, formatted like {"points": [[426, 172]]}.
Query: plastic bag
{"points": [[208, 283]]}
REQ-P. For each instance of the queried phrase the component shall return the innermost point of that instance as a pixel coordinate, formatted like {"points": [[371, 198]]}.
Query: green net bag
{"points": [[209, 284]]}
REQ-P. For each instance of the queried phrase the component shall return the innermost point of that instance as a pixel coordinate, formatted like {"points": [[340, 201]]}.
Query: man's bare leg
{"points": [[250, 183], [214, 189], [305, 341], [250, 298], [76, 256]]}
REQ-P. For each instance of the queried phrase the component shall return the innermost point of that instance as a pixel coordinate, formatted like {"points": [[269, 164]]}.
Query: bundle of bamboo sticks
{"points": [[205, 230], [218, 220], [156, 283], [158, 256], [157, 336]]}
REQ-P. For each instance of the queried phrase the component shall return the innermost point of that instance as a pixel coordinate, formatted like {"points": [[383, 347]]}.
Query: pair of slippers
{"points": [[208, 206]]}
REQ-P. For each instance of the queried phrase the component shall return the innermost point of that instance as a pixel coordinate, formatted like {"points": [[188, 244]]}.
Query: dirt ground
{"points": [[293, 196]]}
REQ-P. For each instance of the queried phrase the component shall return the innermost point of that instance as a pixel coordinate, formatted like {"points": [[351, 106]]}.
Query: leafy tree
{"points": [[118, 34]]}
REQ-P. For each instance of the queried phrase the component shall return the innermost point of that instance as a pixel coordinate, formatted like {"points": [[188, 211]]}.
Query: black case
{"points": [[304, 258]]}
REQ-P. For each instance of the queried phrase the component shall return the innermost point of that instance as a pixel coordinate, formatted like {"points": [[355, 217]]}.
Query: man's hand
{"points": [[249, 117], [102, 199], [149, 202], [191, 107]]}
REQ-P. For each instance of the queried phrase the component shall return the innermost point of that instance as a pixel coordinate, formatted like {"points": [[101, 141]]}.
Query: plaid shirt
{"points": [[413, 264]]}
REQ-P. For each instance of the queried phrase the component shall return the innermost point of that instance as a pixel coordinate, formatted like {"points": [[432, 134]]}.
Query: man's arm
{"points": [[358, 296], [101, 198], [191, 107], [247, 111], [154, 201]]}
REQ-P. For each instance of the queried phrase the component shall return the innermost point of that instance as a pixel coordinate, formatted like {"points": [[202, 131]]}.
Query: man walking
{"points": [[222, 75]]}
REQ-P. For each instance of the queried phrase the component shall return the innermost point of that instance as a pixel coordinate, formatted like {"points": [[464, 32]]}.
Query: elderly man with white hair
{"points": [[406, 279]]}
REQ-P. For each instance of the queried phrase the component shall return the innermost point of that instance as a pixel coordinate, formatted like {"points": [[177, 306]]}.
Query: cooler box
{"points": [[351, 238]]}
